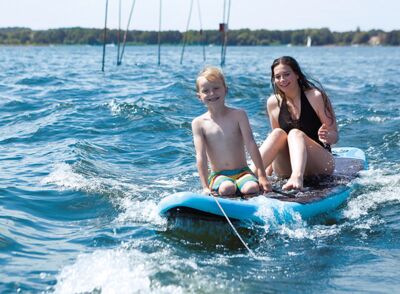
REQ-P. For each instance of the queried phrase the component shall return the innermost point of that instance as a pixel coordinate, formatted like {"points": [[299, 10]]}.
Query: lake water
{"points": [[85, 157]]}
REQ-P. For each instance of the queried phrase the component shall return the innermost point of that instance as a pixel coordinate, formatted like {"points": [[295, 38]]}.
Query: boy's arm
{"points": [[252, 148], [201, 155]]}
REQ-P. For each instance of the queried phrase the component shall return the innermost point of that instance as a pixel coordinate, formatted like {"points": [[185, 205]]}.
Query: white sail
{"points": [[309, 41]]}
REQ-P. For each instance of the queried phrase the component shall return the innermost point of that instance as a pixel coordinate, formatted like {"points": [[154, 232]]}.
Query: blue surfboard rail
{"points": [[253, 210]]}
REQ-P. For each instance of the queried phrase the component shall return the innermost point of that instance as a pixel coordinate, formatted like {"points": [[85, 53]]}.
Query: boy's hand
{"points": [[206, 191], [265, 185]]}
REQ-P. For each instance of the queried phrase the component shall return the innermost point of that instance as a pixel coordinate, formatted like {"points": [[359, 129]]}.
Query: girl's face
{"points": [[210, 91], [285, 78]]}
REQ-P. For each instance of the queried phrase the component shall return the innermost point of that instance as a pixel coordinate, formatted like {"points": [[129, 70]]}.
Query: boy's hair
{"points": [[211, 74]]}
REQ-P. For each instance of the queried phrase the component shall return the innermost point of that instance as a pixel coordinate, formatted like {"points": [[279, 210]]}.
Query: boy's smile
{"points": [[210, 91], [212, 99]]}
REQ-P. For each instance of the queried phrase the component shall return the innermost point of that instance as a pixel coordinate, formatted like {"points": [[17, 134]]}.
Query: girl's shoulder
{"points": [[274, 99], [315, 97], [273, 102], [313, 93]]}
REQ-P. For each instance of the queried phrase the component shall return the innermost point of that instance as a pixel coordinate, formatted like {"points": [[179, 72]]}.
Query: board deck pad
{"points": [[319, 187]]}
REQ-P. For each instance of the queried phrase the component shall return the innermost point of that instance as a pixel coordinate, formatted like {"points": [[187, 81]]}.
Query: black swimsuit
{"points": [[308, 122]]}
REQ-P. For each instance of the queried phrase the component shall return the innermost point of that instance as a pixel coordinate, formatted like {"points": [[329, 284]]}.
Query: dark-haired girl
{"points": [[303, 126]]}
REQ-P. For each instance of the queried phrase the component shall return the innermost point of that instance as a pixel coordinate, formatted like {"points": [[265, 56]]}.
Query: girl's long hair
{"points": [[304, 83]]}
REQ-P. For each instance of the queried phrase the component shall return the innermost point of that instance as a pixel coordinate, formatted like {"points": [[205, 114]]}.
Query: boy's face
{"points": [[210, 92]]}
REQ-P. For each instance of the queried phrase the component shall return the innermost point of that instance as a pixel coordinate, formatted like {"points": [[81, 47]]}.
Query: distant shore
{"points": [[241, 37]]}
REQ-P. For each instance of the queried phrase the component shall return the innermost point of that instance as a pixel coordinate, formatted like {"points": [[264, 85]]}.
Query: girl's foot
{"points": [[294, 183]]}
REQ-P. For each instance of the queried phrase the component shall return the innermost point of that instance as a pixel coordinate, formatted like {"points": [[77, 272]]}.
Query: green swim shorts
{"points": [[236, 176]]}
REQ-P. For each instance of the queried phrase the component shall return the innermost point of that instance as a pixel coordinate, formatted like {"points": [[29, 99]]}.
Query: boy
{"points": [[220, 136]]}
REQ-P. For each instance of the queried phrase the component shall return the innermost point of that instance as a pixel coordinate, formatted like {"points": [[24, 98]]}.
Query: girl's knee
{"points": [[296, 133], [278, 133]]}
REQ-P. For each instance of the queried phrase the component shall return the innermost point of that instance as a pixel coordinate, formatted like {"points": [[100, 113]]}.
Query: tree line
{"points": [[241, 37]]}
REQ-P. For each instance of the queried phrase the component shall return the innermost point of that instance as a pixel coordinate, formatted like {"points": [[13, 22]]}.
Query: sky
{"points": [[337, 15]]}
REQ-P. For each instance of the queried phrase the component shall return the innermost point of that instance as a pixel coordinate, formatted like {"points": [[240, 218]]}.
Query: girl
{"points": [[303, 126]]}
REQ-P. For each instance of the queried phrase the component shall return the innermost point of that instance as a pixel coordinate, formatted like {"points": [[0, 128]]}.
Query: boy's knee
{"points": [[227, 188], [250, 188]]}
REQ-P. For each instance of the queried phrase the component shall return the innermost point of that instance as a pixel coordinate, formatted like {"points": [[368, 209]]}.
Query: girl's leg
{"points": [[274, 149], [298, 159], [307, 158]]}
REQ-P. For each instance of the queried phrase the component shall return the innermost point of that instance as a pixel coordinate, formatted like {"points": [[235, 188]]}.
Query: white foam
{"points": [[170, 183], [312, 233], [380, 186], [376, 119], [114, 107], [66, 178], [140, 211], [133, 208], [288, 223], [111, 271], [275, 215]]}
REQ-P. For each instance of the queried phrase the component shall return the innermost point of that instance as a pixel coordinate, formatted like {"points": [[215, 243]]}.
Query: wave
{"points": [[129, 271], [40, 80]]}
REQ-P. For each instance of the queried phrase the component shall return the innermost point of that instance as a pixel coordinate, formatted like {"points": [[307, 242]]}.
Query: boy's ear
{"points": [[198, 95]]}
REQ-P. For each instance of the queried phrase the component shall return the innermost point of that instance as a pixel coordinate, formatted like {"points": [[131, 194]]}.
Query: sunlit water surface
{"points": [[86, 156]]}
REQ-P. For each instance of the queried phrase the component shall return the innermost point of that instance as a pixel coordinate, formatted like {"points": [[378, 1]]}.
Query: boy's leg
{"points": [[223, 185], [248, 184], [227, 188]]}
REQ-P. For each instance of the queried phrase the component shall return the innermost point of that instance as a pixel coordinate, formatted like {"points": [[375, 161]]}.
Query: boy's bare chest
{"points": [[221, 130]]}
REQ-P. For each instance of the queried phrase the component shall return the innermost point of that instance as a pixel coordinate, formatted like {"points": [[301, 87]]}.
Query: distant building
{"points": [[375, 40]]}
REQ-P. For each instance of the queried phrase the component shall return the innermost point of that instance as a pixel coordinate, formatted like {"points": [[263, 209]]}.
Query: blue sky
{"points": [[337, 15]]}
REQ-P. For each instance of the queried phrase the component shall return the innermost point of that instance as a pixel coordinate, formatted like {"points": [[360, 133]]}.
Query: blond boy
{"points": [[221, 136]]}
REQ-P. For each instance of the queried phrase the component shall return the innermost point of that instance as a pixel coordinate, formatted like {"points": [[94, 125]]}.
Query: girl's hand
{"points": [[323, 134]]}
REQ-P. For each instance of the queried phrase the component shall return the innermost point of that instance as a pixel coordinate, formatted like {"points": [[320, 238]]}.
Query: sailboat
{"points": [[309, 41]]}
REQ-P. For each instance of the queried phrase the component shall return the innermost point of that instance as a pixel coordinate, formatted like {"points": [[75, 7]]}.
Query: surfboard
{"points": [[320, 195]]}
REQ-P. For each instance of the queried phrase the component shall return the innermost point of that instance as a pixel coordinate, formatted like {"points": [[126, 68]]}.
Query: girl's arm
{"points": [[328, 132]]}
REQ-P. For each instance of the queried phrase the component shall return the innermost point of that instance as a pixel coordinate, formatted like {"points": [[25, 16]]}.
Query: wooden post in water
{"points": [[223, 28], [119, 33], [126, 31], [202, 37], [186, 32], [159, 34], [105, 37]]}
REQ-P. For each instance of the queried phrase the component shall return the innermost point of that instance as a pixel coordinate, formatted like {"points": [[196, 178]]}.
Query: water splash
{"points": [[117, 270], [379, 188]]}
